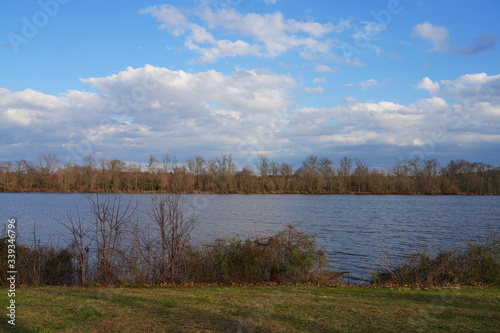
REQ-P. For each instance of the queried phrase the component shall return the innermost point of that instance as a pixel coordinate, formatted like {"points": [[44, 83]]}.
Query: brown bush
{"points": [[477, 264]]}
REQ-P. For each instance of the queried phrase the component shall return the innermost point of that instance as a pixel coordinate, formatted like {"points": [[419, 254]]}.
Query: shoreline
{"points": [[252, 193]]}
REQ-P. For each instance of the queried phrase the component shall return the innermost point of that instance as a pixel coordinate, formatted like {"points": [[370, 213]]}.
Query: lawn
{"points": [[285, 308]]}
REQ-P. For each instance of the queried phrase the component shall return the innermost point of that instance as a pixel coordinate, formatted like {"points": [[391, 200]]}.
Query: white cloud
{"points": [[276, 34], [263, 35], [440, 39], [432, 105], [200, 35], [479, 85], [319, 80], [427, 84], [438, 36], [314, 90], [148, 109], [349, 100], [369, 83], [154, 110], [468, 89], [357, 124], [185, 95], [325, 69], [222, 48], [172, 18], [355, 62], [388, 124], [369, 32]]}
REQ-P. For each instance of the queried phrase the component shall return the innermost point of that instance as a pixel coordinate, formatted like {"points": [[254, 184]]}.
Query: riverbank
{"points": [[280, 308]]}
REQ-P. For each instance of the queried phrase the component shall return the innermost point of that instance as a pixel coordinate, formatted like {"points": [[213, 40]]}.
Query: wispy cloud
{"points": [[319, 80], [262, 35], [369, 83], [349, 100], [440, 40], [314, 90], [325, 69]]}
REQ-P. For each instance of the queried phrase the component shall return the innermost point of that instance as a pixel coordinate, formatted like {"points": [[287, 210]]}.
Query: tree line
{"points": [[220, 174]]}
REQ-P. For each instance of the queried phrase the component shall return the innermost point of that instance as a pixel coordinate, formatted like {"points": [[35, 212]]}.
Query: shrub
{"points": [[39, 265], [289, 256], [477, 264]]}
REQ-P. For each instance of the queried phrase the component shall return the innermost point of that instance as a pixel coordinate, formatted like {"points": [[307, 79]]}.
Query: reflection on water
{"points": [[356, 231]]}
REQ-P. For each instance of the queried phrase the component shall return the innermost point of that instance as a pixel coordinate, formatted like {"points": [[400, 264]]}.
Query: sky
{"points": [[381, 81]]}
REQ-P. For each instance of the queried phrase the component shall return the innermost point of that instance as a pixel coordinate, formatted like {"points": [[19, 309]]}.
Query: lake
{"points": [[356, 231]]}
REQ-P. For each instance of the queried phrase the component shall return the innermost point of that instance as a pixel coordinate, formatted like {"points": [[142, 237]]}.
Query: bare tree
{"points": [[111, 221], [286, 169], [144, 259], [263, 165], [311, 163], [153, 165], [168, 212], [225, 163], [80, 233], [48, 163], [344, 173], [211, 166], [360, 174], [325, 167], [167, 163], [196, 165], [89, 162]]}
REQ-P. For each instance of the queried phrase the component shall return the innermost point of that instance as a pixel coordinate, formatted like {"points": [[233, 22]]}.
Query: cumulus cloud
{"points": [[147, 109], [357, 124], [196, 99], [474, 109], [438, 36], [440, 40], [471, 119], [155, 110], [427, 84], [469, 88]]}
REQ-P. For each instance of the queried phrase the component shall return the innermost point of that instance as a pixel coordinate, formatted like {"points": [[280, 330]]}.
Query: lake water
{"points": [[356, 231]]}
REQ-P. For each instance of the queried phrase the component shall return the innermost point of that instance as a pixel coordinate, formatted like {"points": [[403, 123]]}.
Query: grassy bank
{"points": [[284, 308]]}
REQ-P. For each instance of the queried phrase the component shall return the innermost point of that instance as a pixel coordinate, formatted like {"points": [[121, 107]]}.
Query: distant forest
{"points": [[221, 175]]}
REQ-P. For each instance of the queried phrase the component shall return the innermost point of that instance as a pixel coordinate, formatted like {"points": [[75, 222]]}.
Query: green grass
{"points": [[254, 309]]}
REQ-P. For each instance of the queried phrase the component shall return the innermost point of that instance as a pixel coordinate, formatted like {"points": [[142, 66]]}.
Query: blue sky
{"points": [[377, 80]]}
